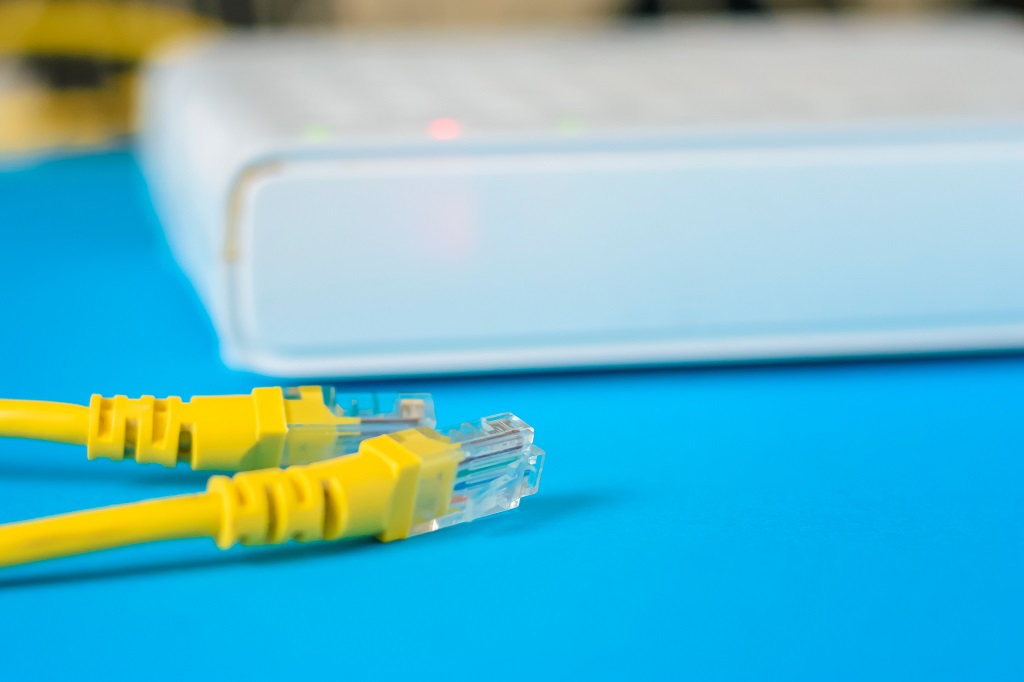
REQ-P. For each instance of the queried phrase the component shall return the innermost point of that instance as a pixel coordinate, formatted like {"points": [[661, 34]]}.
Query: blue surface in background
{"points": [[846, 521]]}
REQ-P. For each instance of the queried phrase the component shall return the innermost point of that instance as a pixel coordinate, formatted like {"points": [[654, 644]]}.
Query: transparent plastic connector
{"points": [[365, 415], [498, 465]]}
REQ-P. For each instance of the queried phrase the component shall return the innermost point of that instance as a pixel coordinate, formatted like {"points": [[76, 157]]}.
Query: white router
{"points": [[703, 192]]}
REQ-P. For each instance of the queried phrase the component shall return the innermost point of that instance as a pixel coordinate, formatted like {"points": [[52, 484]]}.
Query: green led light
{"points": [[316, 132], [570, 125]]}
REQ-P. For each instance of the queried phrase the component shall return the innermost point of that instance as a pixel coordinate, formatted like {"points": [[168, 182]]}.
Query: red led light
{"points": [[445, 129]]}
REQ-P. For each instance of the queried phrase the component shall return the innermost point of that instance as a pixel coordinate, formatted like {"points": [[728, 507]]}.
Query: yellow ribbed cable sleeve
{"points": [[374, 492], [60, 422], [225, 433], [187, 516]]}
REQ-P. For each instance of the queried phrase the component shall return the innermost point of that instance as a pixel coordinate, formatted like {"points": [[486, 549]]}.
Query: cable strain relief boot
{"points": [[269, 507], [227, 433], [372, 492], [144, 429]]}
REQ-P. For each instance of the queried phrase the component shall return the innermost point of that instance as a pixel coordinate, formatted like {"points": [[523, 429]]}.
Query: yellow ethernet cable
{"points": [[269, 427], [396, 486]]}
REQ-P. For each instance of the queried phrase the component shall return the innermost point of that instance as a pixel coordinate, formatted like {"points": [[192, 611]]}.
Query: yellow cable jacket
{"points": [[186, 516], [40, 420]]}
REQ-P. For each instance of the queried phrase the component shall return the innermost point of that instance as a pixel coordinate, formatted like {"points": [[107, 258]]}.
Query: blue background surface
{"points": [[844, 521]]}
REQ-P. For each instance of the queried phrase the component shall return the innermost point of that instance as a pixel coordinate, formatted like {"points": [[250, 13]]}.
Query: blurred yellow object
{"points": [[108, 39], [36, 118], [96, 28]]}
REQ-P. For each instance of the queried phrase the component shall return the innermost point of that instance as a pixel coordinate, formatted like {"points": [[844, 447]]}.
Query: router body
{"points": [[422, 204]]}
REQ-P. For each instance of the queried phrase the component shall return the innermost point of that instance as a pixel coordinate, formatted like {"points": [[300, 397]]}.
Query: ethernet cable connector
{"points": [[497, 465], [396, 486], [359, 416], [269, 427]]}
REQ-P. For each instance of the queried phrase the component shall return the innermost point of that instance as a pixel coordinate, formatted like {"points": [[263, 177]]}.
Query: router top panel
{"points": [[679, 75]]}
